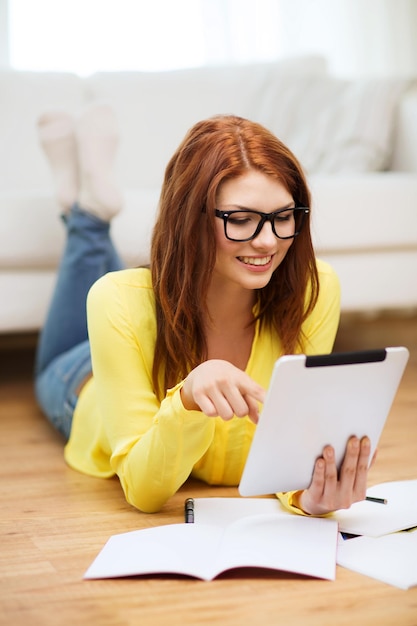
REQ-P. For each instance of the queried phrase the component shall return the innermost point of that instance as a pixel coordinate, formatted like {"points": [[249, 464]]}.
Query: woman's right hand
{"points": [[218, 388]]}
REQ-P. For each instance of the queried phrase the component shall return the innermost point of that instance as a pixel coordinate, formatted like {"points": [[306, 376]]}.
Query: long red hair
{"points": [[183, 250]]}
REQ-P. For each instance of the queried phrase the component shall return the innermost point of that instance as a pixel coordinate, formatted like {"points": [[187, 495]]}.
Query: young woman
{"points": [[182, 352]]}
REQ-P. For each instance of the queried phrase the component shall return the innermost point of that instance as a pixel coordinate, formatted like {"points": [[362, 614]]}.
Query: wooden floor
{"points": [[54, 521]]}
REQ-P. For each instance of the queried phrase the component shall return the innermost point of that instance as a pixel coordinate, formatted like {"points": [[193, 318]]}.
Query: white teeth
{"points": [[250, 260]]}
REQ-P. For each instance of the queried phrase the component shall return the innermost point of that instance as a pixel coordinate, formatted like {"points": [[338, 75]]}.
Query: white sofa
{"points": [[356, 139]]}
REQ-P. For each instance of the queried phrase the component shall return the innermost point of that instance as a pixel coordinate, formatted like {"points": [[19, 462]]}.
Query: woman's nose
{"points": [[266, 237]]}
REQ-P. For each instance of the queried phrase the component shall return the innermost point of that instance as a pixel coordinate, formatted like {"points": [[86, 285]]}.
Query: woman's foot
{"points": [[56, 131], [97, 141]]}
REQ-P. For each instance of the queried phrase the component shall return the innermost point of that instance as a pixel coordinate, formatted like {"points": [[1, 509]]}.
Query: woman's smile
{"points": [[258, 262]]}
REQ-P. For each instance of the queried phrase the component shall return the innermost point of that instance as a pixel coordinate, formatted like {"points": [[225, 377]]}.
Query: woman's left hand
{"points": [[329, 491]]}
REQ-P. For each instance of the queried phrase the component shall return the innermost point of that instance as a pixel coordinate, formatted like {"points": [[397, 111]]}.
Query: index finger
{"points": [[253, 390]]}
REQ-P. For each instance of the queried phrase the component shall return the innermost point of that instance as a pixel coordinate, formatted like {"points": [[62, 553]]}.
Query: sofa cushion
{"points": [[155, 109], [357, 127], [368, 212], [404, 156], [349, 213], [335, 125], [32, 235], [331, 124], [24, 96]]}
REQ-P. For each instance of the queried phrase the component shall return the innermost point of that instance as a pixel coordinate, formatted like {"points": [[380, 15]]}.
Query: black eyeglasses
{"points": [[244, 225]]}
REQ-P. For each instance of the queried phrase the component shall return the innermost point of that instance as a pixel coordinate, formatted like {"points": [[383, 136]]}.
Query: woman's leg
{"points": [[57, 386], [89, 253], [81, 156], [63, 359]]}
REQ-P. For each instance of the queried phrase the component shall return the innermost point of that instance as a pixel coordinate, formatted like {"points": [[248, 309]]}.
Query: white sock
{"points": [[56, 130], [97, 137]]}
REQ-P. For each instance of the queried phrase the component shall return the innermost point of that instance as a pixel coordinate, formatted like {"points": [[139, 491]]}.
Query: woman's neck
{"points": [[229, 306], [228, 327]]}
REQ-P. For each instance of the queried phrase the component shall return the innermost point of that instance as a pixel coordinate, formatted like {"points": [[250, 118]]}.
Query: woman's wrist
{"points": [[187, 399], [296, 500]]}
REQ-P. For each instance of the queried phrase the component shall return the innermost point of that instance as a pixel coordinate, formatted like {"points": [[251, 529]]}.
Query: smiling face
{"points": [[250, 264]]}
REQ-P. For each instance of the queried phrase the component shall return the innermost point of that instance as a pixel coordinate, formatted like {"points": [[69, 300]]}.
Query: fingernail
{"points": [[354, 444], [328, 453]]}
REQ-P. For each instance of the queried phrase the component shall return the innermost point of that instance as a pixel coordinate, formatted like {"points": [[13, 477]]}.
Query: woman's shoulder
{"points": [[324, 268], [127, 285], [133, 278], [327, 275], [121, 306]]}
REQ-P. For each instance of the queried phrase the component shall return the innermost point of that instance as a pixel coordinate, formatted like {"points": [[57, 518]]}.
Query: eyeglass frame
{"points": [[265, 217]]}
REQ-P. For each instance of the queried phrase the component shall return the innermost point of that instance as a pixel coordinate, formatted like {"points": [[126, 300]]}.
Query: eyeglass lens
{"points": [[243, 225]]}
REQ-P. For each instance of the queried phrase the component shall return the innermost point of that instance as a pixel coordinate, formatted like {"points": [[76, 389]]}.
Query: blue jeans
{"points": [[63, 358]]}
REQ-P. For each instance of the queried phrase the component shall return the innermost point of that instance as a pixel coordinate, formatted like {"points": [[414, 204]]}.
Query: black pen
{"points": [[378, 500], [189, 511]]}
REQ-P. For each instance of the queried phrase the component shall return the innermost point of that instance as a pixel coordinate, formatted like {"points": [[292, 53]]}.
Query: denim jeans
{"points": [[63, 358]]}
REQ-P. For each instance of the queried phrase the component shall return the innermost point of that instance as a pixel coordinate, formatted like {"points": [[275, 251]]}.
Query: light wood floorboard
{"points": [[54, 521]]}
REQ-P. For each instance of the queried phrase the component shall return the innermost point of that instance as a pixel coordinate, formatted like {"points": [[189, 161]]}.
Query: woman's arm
{"points": [[152, 446]]}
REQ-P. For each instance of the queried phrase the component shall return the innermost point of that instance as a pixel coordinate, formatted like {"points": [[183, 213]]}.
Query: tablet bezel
{"points": [[317, 400]]}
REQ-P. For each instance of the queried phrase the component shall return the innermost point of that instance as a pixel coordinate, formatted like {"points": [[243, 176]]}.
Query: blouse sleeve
{"points": [[152, 446]]}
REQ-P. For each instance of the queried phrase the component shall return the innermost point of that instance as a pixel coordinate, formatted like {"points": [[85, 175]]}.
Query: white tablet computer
{"points": [[317, 400]]}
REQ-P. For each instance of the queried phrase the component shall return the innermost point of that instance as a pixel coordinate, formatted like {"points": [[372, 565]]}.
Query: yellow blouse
{"points": [[119, 426]]}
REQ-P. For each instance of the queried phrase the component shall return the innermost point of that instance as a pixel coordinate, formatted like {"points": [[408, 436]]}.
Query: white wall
{"points": [[358, 37], [4, 34]]}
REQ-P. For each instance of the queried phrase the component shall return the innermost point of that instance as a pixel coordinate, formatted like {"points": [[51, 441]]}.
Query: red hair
{"points": [[183, 250]]}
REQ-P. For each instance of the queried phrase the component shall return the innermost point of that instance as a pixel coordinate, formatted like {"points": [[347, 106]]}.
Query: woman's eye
{"points": [[240, 220], [285, 217]]}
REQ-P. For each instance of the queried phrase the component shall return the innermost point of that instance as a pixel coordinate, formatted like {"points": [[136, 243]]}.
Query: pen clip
{"points": [[189, 511]]}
